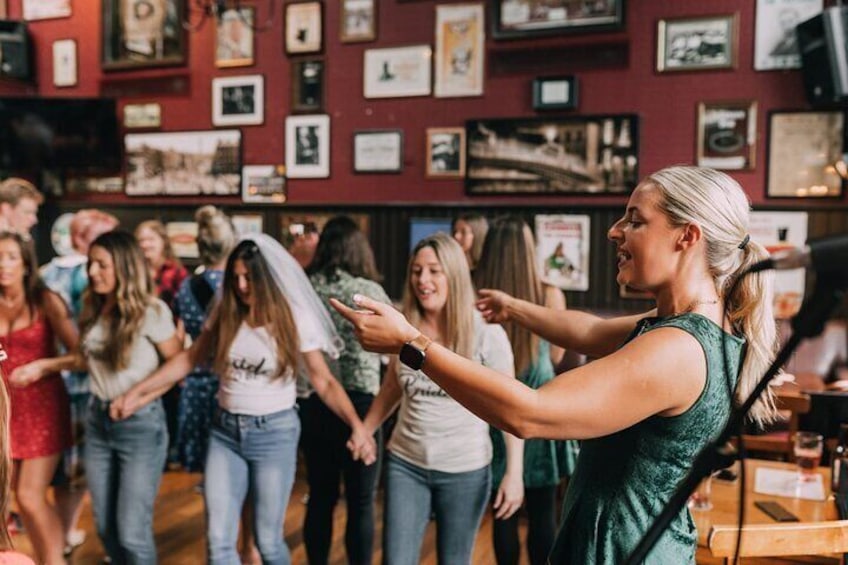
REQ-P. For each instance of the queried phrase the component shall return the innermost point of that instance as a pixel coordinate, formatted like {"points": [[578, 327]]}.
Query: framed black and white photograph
{"points": [[397, 72], [64, 63], [307, 80], [526, 18], [357, 21], [263, 184], [304, 28], [727, 135], [234, 38], [238, 101], [140, 116], [805, 153], [555, 93], [150, 36], [46, 9], [696, 44], [775, 44], [460, 50], [561, 155], [445, 153], [308, 146], [184, 163], [378, 151]]}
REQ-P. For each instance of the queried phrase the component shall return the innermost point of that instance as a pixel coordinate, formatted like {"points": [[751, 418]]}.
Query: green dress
{"points": [[545, 461], [623, 480]]}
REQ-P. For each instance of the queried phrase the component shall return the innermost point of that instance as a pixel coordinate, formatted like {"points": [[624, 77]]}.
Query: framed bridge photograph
{"points": [[562, 155]]}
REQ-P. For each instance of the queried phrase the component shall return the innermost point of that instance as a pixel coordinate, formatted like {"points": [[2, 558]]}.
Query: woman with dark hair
{"points": [[32, 318], [343, 266], [125, 331], [252, 343]]}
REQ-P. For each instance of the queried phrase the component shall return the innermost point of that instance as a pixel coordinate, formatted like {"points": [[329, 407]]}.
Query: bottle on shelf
{"points": [[839, 459]]}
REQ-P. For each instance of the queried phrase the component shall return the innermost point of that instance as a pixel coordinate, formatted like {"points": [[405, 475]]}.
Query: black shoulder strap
{"points": [[202, 290]]}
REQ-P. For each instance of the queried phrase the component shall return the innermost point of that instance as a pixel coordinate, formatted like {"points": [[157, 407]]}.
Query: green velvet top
{"points": [[623, 480]]}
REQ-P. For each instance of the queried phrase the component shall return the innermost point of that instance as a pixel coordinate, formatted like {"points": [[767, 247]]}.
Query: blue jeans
{"points": [[413, 493], [255, 454], [123, 462]]}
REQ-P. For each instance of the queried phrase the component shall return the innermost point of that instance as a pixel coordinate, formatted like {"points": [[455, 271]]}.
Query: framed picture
{"points": [[263, 184], [138, 116], [307, 82], [557, 155], [46, 9], [397, 71], [695, 44], [779, 231], [445, 153], [150, 36], [525, 18], [562, 250], [775, 44], [64, 63], [183, 238], [727, 135], [555, 93], [238, 101], [304, 33], [308, 146], [247, 224], [234, 38], [460, 48], [184, 163], [378, 151], [358, 20], [804, 149]]}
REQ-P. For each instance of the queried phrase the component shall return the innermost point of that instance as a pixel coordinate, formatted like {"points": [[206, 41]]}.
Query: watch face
{"points": [[411, 357]]}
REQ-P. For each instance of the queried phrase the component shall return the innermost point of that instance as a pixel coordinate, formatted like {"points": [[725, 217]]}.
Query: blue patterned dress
{"points": [[197, 398]]}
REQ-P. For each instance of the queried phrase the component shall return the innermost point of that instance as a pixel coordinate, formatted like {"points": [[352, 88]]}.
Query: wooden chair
{"points": [[780, 442], [774, 540]]}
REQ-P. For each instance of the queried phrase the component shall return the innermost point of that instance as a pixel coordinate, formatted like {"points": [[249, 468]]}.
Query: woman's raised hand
{"points": [[493, 305], [378, 327]]}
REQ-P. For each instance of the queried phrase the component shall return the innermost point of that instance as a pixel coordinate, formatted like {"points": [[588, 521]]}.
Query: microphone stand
{"points": [[809, 322]]}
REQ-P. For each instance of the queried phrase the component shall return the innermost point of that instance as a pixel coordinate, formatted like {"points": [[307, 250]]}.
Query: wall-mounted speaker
{"points": [[15, 50], [823, 45]]}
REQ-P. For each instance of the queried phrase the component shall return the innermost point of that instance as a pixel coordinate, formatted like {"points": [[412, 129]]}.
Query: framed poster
{"points": [[307, 80], [247, 224], [778, 231], [378, 151], [308, 146], [185, 163], [557, 155], [304, 33], [64, 63], [183, 238], [775, 44], [263, 184], [804, 149], [526, 18], [357, 21], [45, 9], [397, 72], [694, 44], [238, 101], [460, 49], [234, 38], [727, 135], [142, 33], [555, 93], [445, 153], [562, 247], [138, 116]]}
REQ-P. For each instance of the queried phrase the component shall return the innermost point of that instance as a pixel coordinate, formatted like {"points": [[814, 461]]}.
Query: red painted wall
{"points": [[666, 103]]}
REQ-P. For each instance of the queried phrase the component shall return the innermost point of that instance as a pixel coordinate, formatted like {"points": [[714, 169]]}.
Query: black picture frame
{"points": [[119, 52], [553, 155], [514, 19], [377, 151], [555, 93], [307, 80]]}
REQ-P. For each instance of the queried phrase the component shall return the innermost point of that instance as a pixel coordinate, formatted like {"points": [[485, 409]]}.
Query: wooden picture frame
{"points": [[357, 21], [234, 39], [445, 153], [307, 80], [378, 151], [460, 50], [697, 44], [130, 42], [727, 135], [512, 19], [238, 100], [555, 93], [304, 28]]}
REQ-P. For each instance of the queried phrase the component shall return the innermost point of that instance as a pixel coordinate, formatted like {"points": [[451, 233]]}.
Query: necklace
{"points": [[695, 303]]}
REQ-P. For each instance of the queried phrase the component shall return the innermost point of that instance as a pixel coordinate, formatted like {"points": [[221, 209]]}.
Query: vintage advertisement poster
{"points": [[460, 39], [778, 231], [562, 247]]}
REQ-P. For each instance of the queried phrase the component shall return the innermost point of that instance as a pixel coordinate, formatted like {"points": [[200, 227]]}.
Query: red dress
{"points": [[40, 422]]}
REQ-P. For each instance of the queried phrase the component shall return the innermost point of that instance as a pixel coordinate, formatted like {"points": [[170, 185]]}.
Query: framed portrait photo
{"points": [[64, 63], [378, 151], [555, 93], [397, 72], [238, 101], [139, 33], [460, 49], [308, 146], [804, 153], [357, 21], [307, 80], [234, 38], [694, 44], [727, 135], [445, 153], [304, 28], [775, 43], [525, 18]]}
